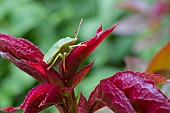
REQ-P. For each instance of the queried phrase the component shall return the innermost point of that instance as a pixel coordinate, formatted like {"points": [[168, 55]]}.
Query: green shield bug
{"points": [[61, 49]]}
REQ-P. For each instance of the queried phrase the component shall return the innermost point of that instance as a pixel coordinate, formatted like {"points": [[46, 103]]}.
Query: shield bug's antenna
{"points": [[76, 33]]}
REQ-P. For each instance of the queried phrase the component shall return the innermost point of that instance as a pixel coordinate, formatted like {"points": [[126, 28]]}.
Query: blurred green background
{"points": [[144, 27]]}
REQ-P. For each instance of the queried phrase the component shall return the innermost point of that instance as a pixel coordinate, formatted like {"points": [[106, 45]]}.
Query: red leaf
{"points": [[37, 70], [99, 29], [80, 53], [39, 98], [34, 69], [10, 109], [117, 91], [142, 93], [75, 80], [157, 78], [111, 96], [83, 106], [28, 58], [20, 48]]}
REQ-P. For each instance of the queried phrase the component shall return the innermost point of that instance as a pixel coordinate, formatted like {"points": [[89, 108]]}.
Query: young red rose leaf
{"points": [[83, 106], [111, 96], [160, 61], [37, 70], [80, 53], [33, 69], [20, 48], [142, 93], [39, 98], [54, 96], [75, 80]]}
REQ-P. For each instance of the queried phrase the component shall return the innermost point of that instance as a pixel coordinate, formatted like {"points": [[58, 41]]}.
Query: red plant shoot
{"points": [[125, 92]]}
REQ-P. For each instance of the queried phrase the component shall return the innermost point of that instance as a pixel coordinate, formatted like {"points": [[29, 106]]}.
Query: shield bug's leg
{"points": [[64, 60], [80, 44], [59, 55]]}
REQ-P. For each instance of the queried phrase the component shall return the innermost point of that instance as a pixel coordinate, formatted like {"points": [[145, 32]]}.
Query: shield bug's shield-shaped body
{"points": [[60, 50]]}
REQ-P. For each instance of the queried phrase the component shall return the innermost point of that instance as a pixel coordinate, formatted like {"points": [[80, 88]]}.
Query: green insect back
{"points": [[60, 50], [59, 47]]}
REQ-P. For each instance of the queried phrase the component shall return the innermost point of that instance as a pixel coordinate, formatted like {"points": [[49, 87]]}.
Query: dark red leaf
{"points": [[37, 70], [80, 53], [39, 98], [141, 92], [111, 96], [117, 91], [34, 69], [83, 106], [75, 80], [54, 96], [20, 48]]}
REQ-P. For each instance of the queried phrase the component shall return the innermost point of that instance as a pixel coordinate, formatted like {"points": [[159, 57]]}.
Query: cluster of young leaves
{"points": [[124, 92]]}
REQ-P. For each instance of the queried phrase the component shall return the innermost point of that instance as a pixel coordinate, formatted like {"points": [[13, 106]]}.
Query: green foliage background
{"points": [[44, 22]]}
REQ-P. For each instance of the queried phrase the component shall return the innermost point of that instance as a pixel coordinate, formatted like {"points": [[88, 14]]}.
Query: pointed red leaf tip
{"points": [[109, 95], [20, 48], [75, 80], [157, 78], [10, 109], [80, 53], [99, 29], [83, 106], [142, 93], [39, 98]]}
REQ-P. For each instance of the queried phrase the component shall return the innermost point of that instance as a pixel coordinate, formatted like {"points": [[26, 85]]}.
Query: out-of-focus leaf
{"points": [[139, 6], [128, 26], [160, 61], [135, 64]]}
